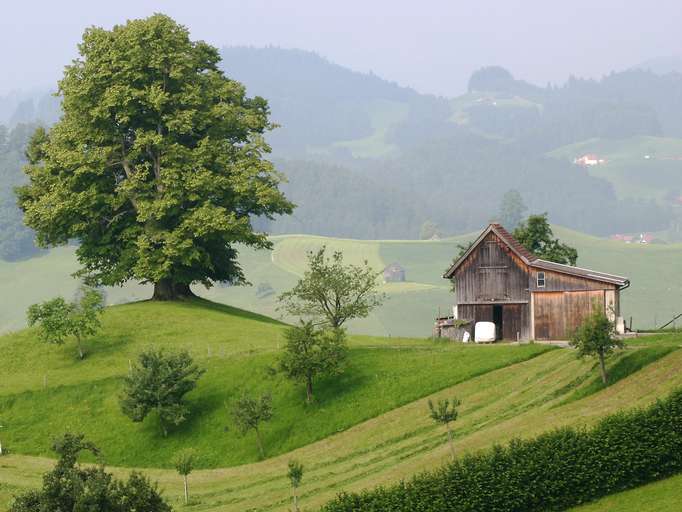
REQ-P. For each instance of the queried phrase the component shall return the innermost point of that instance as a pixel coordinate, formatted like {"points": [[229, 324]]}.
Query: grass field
{"points": [[653, 298], [633, 175], [46, 389], [662, 496], [370, 427]]}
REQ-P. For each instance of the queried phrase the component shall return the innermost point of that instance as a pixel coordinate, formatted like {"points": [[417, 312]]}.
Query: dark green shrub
{"points": [[553, 471]]}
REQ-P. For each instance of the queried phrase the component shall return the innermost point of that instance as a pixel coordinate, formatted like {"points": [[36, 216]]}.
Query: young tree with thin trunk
{"points": [[59, 319], [594, 337], [159, 382], [311, 352], [157, 165], [445, 412], [331, 292], [184, 462], [295, 475], [249, 413]]}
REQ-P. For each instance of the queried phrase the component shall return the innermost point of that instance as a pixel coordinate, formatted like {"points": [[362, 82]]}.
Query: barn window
{"points": [[541, 279]]}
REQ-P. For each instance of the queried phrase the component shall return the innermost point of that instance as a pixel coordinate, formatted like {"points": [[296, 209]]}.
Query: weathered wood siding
{"points": [[515, 322], [556, 281], [492, 272], [558, 314]]}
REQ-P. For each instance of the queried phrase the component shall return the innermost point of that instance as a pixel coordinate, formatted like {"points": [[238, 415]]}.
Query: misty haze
{"points": [[355, 257]]}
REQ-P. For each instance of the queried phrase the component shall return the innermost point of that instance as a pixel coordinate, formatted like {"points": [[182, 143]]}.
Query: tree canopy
{"points": [[594, 337], [159, 383], [311, 352], [69, 487], [512, 209], [156, 166], [331, 292], [535, 234], [59, 319]]}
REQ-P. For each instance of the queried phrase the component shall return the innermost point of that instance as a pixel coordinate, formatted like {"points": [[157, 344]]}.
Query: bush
{"points": [[553, 471]]}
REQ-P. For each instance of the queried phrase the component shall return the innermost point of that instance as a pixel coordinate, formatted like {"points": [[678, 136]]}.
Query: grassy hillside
{"points": [[411, 307], [638, 167], [45, 389], [663, 496], [387, 382]]}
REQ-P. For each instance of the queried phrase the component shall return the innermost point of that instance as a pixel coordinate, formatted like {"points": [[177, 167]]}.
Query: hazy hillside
{"points": [[367, 158]]}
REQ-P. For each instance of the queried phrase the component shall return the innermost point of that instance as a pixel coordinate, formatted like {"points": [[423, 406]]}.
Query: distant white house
{"points": [[589, 160]]}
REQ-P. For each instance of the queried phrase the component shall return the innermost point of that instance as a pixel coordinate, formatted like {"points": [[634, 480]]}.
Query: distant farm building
{"points": [[394, 273], [642, 238], [589, 160], [497, 280]]}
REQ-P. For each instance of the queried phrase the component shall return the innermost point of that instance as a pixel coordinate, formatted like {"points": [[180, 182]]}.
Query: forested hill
{"points": [[368, 158], [320, 105]]}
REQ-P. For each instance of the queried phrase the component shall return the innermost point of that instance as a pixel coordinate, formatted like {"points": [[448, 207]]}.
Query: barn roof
{"points": [[580, 272], [533, 261]]}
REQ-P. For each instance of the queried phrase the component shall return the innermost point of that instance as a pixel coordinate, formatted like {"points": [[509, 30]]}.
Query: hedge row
{"points": [[554, 471]]}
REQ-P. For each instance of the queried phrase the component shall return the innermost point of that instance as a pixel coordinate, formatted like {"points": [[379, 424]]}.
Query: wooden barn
{"points": [[498, 280]]}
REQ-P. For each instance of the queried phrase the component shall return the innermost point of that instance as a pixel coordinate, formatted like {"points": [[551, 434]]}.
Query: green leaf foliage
{"points": [[295, 473], [535, 234], [156, 166], [444, 411], [184, 461], [553, 471], [59, 319], [311, 352], [159, 383], [69, 487], [333, 292], [249, 413], [594, 337]]}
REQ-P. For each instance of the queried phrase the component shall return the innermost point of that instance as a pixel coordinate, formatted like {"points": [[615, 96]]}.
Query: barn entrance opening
{"points": [[498, 321]]}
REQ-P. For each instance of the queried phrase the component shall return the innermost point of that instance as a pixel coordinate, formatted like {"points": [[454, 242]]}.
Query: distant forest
{"points": [[446, 161]]}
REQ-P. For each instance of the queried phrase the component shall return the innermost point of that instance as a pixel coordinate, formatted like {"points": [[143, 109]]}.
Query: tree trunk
{"points": [[260, 444], [80, 347], [602, 368], [452, 444], [295, 499], [166, 289], [309, 390], [186, 490]]}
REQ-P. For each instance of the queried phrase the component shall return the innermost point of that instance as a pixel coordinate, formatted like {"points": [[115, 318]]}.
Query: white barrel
{"points": [[484, 332]]}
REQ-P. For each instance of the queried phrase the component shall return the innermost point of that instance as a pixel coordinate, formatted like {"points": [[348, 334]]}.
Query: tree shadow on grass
{"points": [[625, 366]]}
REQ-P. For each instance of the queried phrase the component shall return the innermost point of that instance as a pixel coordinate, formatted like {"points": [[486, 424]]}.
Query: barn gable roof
{"points": [[533, 261], [505, 236]]}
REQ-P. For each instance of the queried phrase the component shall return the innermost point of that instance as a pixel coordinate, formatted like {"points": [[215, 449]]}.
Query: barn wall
{"points": [[492, 272], [556, 315], [556, 281]]}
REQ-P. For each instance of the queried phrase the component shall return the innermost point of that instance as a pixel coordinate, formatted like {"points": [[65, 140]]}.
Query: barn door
{"points": [[549, 316]]}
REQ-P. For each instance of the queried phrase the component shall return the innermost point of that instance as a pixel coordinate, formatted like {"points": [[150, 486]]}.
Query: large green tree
{"points": [[156, 166], [536, 235]]}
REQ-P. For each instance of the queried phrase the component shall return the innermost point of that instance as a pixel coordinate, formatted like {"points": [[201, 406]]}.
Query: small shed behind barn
{"points": [[394, 273]]}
